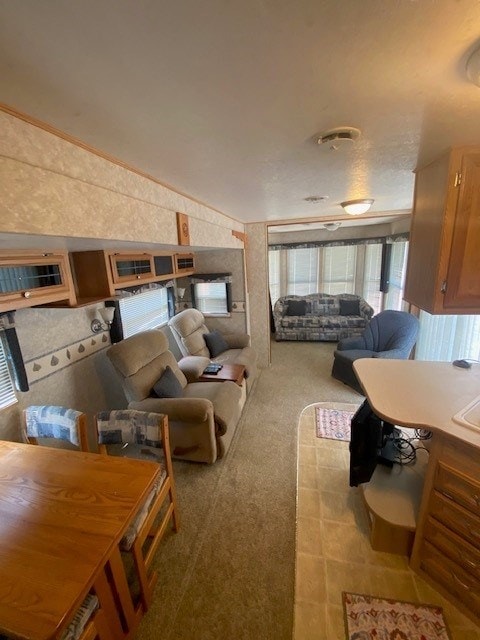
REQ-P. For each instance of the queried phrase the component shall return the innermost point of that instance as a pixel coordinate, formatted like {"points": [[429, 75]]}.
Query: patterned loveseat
{"points": [[320, 316]]}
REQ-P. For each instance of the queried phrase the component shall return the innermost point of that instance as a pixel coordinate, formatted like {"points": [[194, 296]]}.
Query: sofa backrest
{"points": [[324, 304]]}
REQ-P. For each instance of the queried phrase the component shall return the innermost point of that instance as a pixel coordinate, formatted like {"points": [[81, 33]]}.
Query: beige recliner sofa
{"points": [[202, 420], [188, 328]]}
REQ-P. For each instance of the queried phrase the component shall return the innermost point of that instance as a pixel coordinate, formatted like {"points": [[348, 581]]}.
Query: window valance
{"points": [[399, 237]]}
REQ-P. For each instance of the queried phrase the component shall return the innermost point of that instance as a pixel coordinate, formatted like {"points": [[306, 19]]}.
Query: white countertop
{"points": [[419, 394]]}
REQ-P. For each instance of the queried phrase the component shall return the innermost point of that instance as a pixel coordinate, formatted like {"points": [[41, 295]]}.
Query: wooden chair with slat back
{"points": [[50, 421], [142, 434]]}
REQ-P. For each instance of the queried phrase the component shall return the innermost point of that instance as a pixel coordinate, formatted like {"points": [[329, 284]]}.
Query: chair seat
{"points": [[80, 619], [137, 523]]}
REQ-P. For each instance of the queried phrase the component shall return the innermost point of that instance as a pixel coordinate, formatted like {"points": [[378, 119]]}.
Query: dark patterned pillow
{"points": [[349, 307], [168, 385], [296, 308], [215, 342]]}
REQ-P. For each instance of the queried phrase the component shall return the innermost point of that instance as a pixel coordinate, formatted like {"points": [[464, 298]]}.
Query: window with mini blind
{"points": [[372, 276], [348, 266], [143, 311], [447, 338], [212, 293], [302, 271], [396, 277], [7, 390], [338, 269]]}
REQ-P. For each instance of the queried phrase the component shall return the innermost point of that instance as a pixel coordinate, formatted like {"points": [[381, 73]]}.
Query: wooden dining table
{"points": [[62, 516]]}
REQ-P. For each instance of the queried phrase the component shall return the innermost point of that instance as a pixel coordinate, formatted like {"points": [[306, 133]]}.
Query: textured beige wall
{"points": [[227, 261], [257, 287], [63, 365], [50, 186]]}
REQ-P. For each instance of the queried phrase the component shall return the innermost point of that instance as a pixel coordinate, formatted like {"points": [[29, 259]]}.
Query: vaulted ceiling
{"points": [[224, 101]]}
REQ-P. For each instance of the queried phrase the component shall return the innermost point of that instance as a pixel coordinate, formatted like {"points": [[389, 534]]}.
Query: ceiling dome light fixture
{"points": [[473, 68], [357, 207]]}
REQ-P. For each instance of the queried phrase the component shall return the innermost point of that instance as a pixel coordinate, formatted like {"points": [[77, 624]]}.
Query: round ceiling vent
{"points": [[339, 137], [313, 199]]}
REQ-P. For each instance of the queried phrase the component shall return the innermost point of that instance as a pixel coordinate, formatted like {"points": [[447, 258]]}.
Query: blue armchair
{"points": [[390, 334]]}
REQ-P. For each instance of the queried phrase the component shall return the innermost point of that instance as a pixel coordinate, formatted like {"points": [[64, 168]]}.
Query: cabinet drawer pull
{"points": [[467, 587], [473, 533], [448, 495], [470, 563], [476, 497], [27, 294]]}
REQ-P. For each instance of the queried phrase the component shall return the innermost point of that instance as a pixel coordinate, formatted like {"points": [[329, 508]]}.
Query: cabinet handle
{"points": [[27, 294], [476, 498], [470, 563], [448, 495], [138, 277], [467, 587], [473, 533]]}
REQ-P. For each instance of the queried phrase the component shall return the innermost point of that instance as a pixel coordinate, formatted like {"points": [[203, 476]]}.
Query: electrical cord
{"points": [[405, 449]]}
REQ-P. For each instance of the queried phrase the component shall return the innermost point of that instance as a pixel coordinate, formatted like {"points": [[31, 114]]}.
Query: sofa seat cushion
{"points": [[246, 357], [328, 321]]}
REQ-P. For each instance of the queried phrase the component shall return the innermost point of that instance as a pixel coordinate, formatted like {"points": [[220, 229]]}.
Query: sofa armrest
{"points": [[237, 340], [180, 409], [366, 311], [193, 366]]}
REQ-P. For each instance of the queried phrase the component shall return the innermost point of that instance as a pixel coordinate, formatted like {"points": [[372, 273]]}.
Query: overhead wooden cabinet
{"points": [[28, 279], [100, 274], [444, 259]]}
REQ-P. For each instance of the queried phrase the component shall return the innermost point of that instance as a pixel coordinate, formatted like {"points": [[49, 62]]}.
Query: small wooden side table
{"points": [[233, 372]]}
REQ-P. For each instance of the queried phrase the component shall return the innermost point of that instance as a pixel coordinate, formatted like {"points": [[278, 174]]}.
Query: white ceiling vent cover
{"points": [[339, 137]]}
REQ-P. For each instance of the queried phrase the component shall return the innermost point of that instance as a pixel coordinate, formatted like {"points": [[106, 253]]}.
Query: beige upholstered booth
{"points": [[189, 330], [202, 416]]}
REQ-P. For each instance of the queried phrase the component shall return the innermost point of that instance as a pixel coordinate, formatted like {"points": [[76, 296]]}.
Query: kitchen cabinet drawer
{"points": [[455, 517], [458, 488], [451, 577], [453, 546]]}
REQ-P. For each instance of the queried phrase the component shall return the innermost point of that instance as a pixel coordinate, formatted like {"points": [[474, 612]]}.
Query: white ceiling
{"points": [[223, 100]]}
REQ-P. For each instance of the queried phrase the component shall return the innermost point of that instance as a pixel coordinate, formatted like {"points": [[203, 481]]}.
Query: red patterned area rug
{"points": [[333, 423], [370, 618]]}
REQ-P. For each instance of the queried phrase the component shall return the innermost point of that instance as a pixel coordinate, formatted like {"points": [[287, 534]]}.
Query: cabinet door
{"points": [[131, 268], [184, 263], [463, 279], [427, 236], [29, 280]]}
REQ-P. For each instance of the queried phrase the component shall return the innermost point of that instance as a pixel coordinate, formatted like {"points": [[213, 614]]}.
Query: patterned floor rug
{"points": [[370, 618], [333, 423]]}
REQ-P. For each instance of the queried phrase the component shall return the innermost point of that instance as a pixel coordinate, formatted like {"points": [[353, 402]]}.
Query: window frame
{"points": [[8, 396]]}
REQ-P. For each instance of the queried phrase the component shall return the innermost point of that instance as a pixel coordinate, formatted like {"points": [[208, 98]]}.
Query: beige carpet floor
{"points": [[229, 572]]}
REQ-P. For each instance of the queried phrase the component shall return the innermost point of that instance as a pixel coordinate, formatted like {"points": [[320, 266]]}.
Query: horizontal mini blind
{"points": [[7, 391], [371, 276], [302, 271], [143, 311], [396, 277], [447, 338], [338, 269], [211, 297]]}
